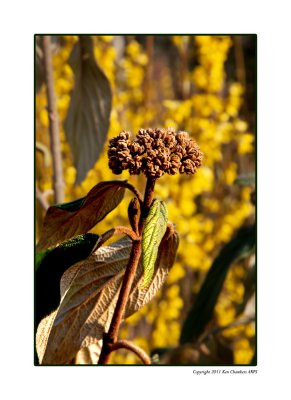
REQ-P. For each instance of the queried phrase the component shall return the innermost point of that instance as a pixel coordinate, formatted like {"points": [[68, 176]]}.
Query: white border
{"points": [[20, 20]]}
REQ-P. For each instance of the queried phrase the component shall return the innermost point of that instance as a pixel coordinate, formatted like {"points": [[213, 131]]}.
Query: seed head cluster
{"points": [[154, 152]]}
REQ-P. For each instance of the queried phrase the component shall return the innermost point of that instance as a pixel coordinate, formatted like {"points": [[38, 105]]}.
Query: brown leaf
{"points": [[67, 220], [42, 334], [89, 298], [87, 122], [88, 355], [46, 324]]}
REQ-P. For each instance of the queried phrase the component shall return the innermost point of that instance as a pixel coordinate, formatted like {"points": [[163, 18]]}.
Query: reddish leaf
{"points": [[67, 220]]}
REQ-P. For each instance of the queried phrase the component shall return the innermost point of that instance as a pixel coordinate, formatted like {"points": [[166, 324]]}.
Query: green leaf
{"points": [[64, 221], [87, 121], [39, 256], [72, 205], [201, 312], [51, 264], [246, 180], [154, 230]]}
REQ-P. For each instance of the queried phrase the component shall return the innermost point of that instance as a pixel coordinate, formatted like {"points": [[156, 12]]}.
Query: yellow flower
{"points": [[176, 273], [44, 118], [107, 38], [246, 143], [173, 291], [240, 125], [133, 49], [226, 317], [230, 173], [225, 232], [243, 356], [70, 175], [246, 194]]}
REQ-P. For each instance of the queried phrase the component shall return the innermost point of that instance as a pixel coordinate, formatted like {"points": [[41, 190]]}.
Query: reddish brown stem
{"points": [[148, 199], [119, 230], [132, 188], [111, 337], [149, 194], [125, 344], [127, 231], [112, 334], [134, 214]]}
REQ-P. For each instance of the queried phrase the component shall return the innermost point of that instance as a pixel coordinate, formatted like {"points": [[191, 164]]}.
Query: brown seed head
{"points": [[154, 152]]}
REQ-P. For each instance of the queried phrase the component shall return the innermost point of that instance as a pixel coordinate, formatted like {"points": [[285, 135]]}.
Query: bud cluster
{"points": [[154, 152]]}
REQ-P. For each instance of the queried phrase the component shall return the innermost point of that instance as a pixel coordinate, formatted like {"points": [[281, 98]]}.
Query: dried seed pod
{"points": [[154, 152], [182, 137]]}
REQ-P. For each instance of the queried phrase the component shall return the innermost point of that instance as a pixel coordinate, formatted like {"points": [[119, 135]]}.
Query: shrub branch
{"points": [[110, 338], [126, 344], [58, 180]]}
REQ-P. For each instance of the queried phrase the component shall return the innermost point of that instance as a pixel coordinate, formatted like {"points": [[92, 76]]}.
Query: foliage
{"points": [[154, 230], [201, 313], [51, 265], [87, 300], [64, 221], [187, 87], [87, 120]]}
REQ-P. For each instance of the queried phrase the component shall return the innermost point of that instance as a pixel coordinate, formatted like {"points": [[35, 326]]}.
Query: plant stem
{"points": [[41, 197], [132, 188], [111, 337], [112, 334], [126, 344], [58, 180], [239, 60], [127, 231], [148, 199], [149, 194], [45, 152], [183, 68], [149, 70], [119, 230]]}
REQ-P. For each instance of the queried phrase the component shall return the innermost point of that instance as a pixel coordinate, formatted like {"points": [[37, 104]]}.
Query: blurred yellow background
{"points": [[204, 85]]}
